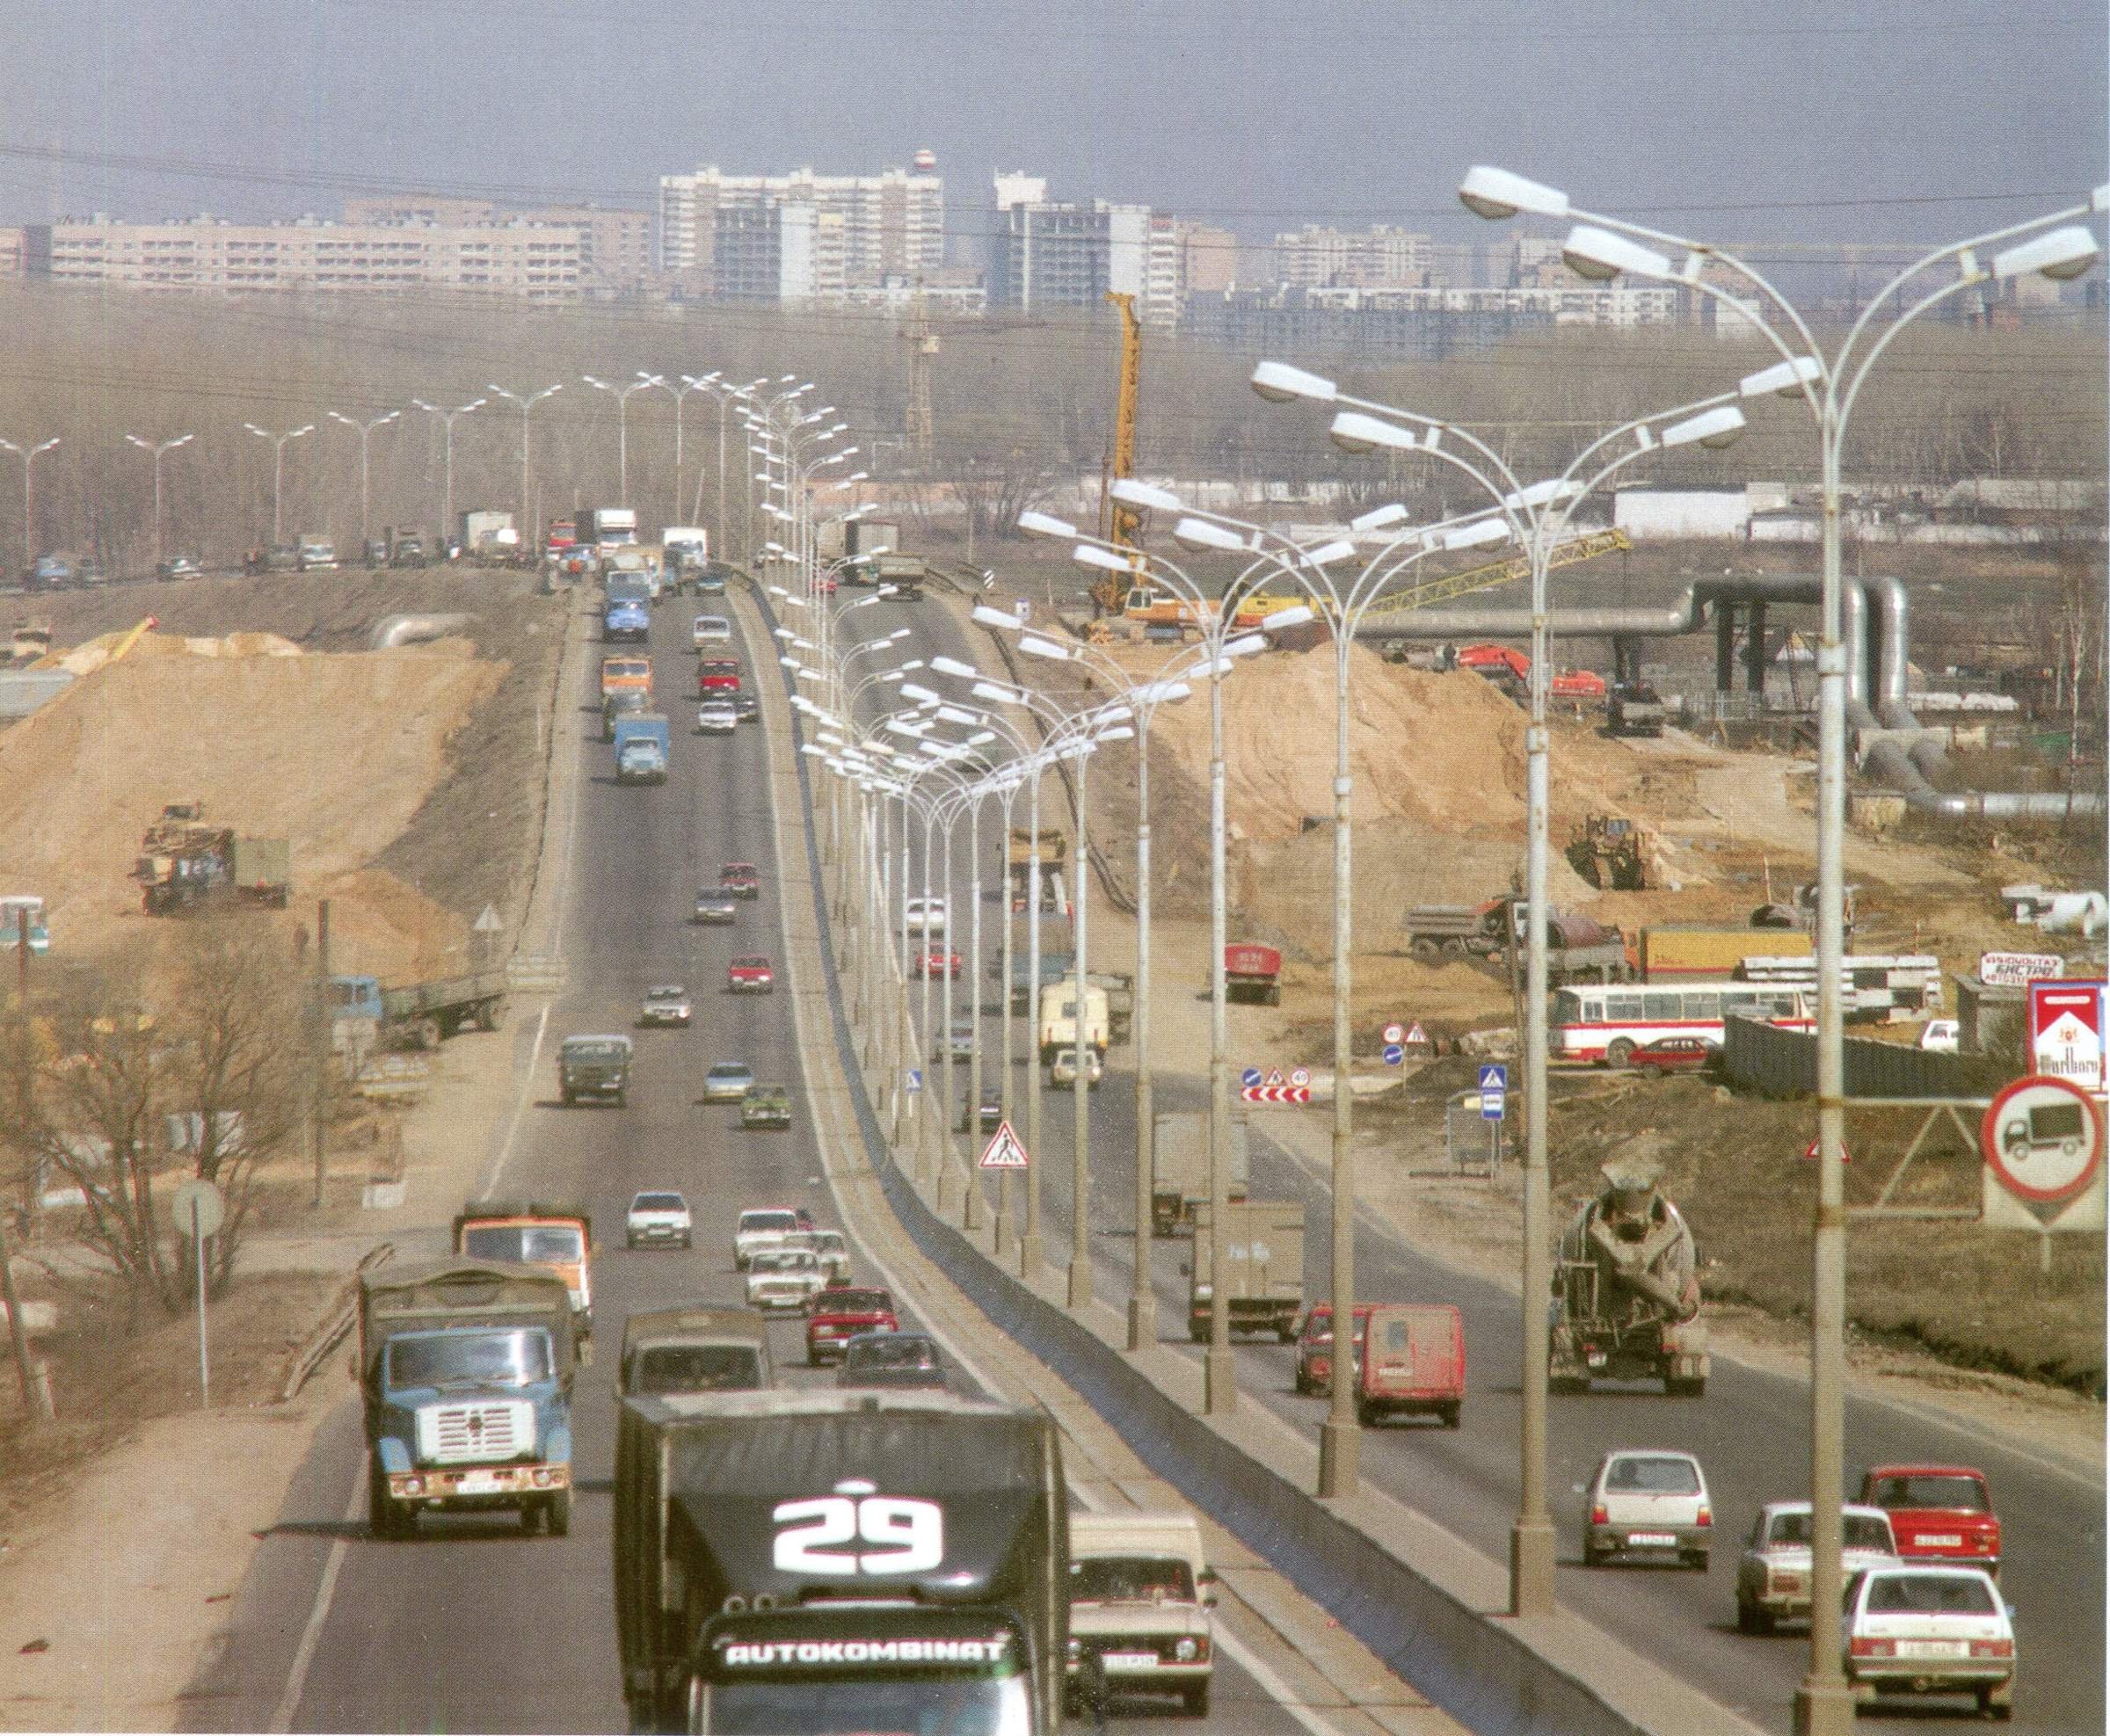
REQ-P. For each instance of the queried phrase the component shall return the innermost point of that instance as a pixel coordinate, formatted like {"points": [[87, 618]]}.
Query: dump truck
{"points": [[1687, 953], [643, 740], [1262, 1268], [1253, 973], [1179, 1166], [695, 1349], [1626, 1291], [840, 1561], [553, 1234], [1578, 948], [465, 1368], [413, 1016], [185, 863], [1018, 865], [1635, 709]]}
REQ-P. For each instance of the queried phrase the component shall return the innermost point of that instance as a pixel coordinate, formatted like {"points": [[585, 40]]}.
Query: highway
{"points": [[473, 1625], [1749, 1431]]}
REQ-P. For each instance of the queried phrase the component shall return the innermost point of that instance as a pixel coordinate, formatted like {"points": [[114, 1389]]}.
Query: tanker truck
{"points": [[1626, 1291]]}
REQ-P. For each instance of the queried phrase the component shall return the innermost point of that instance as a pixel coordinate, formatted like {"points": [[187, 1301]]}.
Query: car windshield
{"points": [[528, 1244], [596, 1052], [1959, 1494], [483, 1359], [786, 1259], [1652, 1477], [697, 1367], [857, 1302], [780, 1221], [676, 993], [1861, 1531], [1928, 1594], [658, 1202], [728, 1070], [1130, 1578], [892, 1352]]}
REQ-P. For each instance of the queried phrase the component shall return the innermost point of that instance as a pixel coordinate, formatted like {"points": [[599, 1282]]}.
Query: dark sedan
{"points": [[716, 904], [892, 1359]]}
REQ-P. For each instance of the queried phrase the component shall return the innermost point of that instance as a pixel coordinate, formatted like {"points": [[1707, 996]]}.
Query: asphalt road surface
{"points": [[1749, 1432], [473, 1625]]}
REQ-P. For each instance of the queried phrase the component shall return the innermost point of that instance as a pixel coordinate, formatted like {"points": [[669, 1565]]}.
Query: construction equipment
{"points": [[1585, 547], [1125, 520], [119, 651], [1607, 853], [184, 863], [1626, 1291]]}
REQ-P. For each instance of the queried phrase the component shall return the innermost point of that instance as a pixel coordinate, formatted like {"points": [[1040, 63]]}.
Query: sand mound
{"points": [[334, 753], [381, 926], [85, 659]]}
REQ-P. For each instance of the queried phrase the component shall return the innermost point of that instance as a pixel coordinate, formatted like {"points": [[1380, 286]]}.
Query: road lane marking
{"points": [[325, 1592], [520, 1106]]}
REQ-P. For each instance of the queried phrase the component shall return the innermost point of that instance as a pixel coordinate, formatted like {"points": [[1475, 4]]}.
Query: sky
{"points": [[1794, 122]]}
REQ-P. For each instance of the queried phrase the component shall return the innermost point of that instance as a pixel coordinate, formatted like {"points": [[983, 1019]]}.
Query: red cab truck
{"points": [[1413, 1363], [1253, 972]]}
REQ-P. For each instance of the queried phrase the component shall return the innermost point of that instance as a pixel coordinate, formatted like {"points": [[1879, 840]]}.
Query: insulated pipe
{"points": [[410, 629]]}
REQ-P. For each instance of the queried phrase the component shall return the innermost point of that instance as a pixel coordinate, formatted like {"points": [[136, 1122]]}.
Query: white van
{"points": [[1058, 1018], [1139, 1604]]}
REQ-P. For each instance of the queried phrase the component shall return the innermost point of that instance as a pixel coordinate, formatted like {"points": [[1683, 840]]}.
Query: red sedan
{"points": [[841, 1312], [1675, 1055], [750, 974], [934, 962]]}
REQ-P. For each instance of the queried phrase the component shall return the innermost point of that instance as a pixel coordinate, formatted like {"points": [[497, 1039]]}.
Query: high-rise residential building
{"points": [[1209, 258], [891, 222], [1055, 253], [1385, 258]]}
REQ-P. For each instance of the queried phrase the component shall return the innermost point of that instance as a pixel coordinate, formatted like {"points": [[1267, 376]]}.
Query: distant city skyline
{"points": [[1812, 123]]}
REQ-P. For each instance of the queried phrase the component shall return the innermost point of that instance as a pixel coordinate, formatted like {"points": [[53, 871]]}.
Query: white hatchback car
{"points": [[1647, 1503], [924, 916], [1923, 1629], [711, 629], [717, 718]]}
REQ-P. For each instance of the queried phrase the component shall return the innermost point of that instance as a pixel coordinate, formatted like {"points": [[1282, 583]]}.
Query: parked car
{"points": [[840, 1312], [716, 905], [892, 1359], [727, 1081], [180, 566], [1062, 1070], [717, 718], [665, 1004], [1941, 1036], [742, 879], [659, 1220], [1772, 1573], [1675, 1055], [1938, 1511], [1921, 1629], [751, 974], [783, 1280], [1650, 1504], [1315, 1346]]}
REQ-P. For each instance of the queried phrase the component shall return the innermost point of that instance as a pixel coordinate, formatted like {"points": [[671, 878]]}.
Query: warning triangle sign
{"points": [[1416, 1037], [1004, 1150], [1274, 1077]]}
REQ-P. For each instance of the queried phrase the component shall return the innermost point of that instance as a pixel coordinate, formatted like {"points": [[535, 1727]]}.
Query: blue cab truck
{"points": [[642, 744], [627, 615], [465, 1367]]}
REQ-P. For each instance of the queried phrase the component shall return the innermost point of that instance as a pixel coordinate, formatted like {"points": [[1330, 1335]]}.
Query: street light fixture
{"points": [[527, 401], [159, 450], [278, 473], [363, 429], [643, 383], [447, 419]]}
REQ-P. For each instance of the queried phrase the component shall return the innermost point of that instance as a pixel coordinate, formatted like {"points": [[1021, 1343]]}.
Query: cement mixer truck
{"points": [[1626, 1291]]}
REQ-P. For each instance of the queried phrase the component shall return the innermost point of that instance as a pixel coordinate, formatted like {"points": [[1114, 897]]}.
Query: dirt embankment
{"points": [[405, 781]]}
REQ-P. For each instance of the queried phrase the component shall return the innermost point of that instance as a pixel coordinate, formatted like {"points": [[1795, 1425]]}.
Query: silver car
{"points": [[727, 1081], [717, 718], [1647, 1503], [665, 1004], [1772, 1573]]}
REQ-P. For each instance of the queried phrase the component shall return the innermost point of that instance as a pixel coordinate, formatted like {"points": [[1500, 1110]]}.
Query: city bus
{"points": [[1607, 1022]]}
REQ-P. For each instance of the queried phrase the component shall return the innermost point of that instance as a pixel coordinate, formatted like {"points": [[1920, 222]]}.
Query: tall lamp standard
{"points": [[363, 429], [278, 473], [29, 456], [527, 401], [447, 419], [1536, 514], [1603, 247], [622, 394], [159, 449]]}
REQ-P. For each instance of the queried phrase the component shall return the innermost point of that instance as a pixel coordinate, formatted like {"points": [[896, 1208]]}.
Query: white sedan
{"points": [[785, 1279], [1772, 1574], [711, 629], [717, 718]]}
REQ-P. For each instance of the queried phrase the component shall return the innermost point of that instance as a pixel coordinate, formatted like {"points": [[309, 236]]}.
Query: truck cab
{"points": [[559, 1238], [642, 741], [1139, 1604], [668, 1350], [594, 1067], [1057, 1023], [465, 1368]]}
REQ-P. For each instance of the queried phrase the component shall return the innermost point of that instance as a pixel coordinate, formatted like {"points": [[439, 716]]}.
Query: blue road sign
{"points": [[1393, 1054], [915, 1079], [1493, 1076], [1251, 1076]]}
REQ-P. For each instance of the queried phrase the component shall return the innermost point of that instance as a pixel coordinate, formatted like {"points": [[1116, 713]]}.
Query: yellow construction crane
{"points": [[1586, 547], [1126, 520]]}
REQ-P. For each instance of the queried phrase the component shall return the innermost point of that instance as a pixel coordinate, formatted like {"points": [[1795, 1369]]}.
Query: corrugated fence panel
{"points": [[1784, 1063], [23, 691]]}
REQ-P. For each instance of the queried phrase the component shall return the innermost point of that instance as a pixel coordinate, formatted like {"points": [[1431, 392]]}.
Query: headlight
{"points": [[1203, 1292], [1186, 1652], [1076, 1650]]}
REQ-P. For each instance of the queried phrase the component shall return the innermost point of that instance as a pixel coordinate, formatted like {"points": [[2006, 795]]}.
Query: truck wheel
{"points": [[1753, 1618], [1197, 1334], [1424, 949], [558, 1513], [490, 1015], [570, 1101], [428, 1035], [1619, 1054], [1197, 1700], [1449, 1415]]}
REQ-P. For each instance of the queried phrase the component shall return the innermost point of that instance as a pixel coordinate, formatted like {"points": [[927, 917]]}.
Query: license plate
{"points": [[1130, 1661], [1941, 1540], [1934, 1648], [478, 1483], [1652, 1540]]}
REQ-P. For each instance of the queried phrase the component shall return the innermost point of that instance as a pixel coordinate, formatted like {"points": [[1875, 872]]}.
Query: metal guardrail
{"points": [[331, 1333], [536, 973]]}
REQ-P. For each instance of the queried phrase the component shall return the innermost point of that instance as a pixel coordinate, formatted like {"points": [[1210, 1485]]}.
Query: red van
{"points": [[1413, 1363]]}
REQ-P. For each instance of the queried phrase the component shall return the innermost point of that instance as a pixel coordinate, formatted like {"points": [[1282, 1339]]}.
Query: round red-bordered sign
{"points": [[2038, 1150]]}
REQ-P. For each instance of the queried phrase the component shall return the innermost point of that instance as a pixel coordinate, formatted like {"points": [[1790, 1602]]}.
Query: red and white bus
{"points": [[1607, 1022]]}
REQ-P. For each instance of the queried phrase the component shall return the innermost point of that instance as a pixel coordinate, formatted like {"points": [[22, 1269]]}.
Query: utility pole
{"points": [[318, 1118], [159, 450], [36, 1395]]}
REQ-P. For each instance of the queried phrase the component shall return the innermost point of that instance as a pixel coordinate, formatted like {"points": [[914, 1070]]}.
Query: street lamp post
{"points": [[278, 473], [527, 401], [643, 383], [159, 450], [446, 421], [363, 429], [1603, 247]]}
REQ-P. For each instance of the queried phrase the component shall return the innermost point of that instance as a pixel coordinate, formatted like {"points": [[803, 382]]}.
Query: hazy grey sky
{"points": [[1731, 119]]}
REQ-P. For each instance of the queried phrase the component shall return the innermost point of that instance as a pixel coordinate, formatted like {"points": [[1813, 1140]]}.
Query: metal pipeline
{"points": [[410, 629]]}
